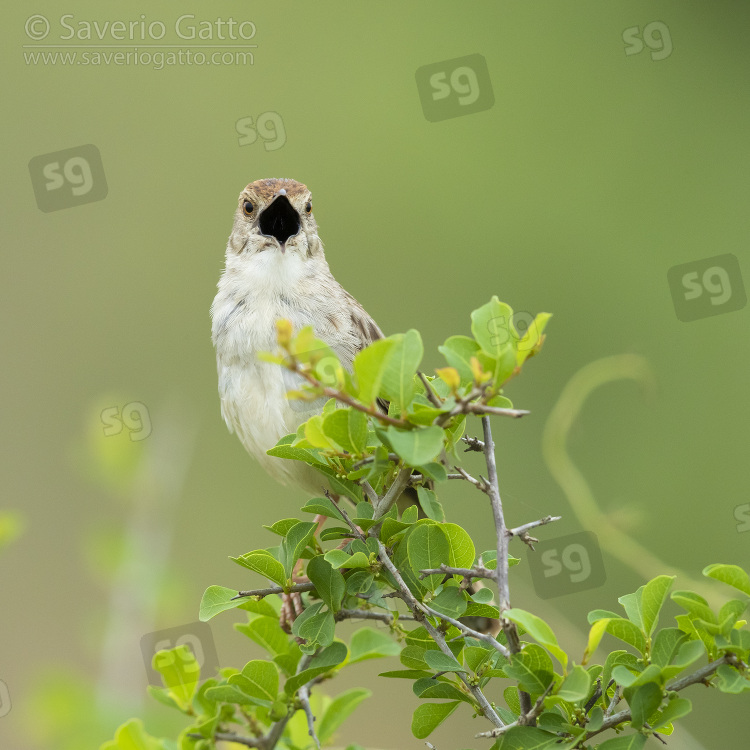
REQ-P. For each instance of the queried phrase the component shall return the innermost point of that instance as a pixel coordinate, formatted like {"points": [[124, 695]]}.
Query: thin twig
{"points": [[699, 675], [419, 478], [519, 530], [260, 593], [483, 409], [400, 483], [369, 491], [429, 392], [478, 572], [480, 485], [466, 630], [435, 634], [368, 614], [475, 444], [524, 719], [231, 737], [304, 697], [493, 490]]}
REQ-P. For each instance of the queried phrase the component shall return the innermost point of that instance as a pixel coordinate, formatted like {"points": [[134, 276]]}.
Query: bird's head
{"points": [[275, 215]]}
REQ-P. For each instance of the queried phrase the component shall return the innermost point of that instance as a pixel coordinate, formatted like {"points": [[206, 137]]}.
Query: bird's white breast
{"points": [[252, 297]]}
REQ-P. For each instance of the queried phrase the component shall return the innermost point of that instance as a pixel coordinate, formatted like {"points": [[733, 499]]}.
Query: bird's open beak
{"points": [[280, 220]]}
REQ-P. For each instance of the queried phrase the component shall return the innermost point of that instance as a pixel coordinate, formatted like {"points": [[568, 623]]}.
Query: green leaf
{"points": [[367, 643], [601, 614], [418, 446], [339, 710], [629, 742], [531, 340], [731, 681], [428, 547], [340, 559], [294, 544], [675, 709], [430, 505], [492, 327], [322, 506], [398, 384], [229, 694], [329, 583], [644, 702], [132, 736], [462, 552], [633, 606], [267, 633], [283, 450], [180, 673], [348, 428], [441, 662], [217, 599], [652, 600], [695, 604], [369, 367], [458, 351], [326, 660], [575, 686], [666, 644], [532, 669], [406, 674], [261, 679], [539, 630], [596, 634], [732, 575], [263, 562], [282, 527], [317, 631], [450, 601], [528, 738], [429, 716], [429, 688], [627, 631]]}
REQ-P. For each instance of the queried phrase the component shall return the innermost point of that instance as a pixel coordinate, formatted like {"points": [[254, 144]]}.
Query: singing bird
{"points": [[276, 268]]}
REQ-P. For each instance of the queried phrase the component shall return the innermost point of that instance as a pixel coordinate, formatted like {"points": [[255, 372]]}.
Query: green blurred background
{"points": [[594, 172]]}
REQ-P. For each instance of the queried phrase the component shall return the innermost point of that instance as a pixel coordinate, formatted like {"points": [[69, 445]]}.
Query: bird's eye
{"points": [[247, 208], [308, 207]]}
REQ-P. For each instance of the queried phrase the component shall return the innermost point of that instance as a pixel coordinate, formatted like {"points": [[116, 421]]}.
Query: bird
{"points": [[276, 268]]}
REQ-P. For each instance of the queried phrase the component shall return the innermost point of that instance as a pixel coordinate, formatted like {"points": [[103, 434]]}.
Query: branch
{"points": [[230, 737], [486, 637], [260, 593], [478, 483], [522, 532], [523, 720], [493, 490], [400, 483], [483, 410], [519, 530], [345, 398], [436, 635], [478, 572], [429, 392], [699, 675], [475, 444], [304, 697], [367, 614]]}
